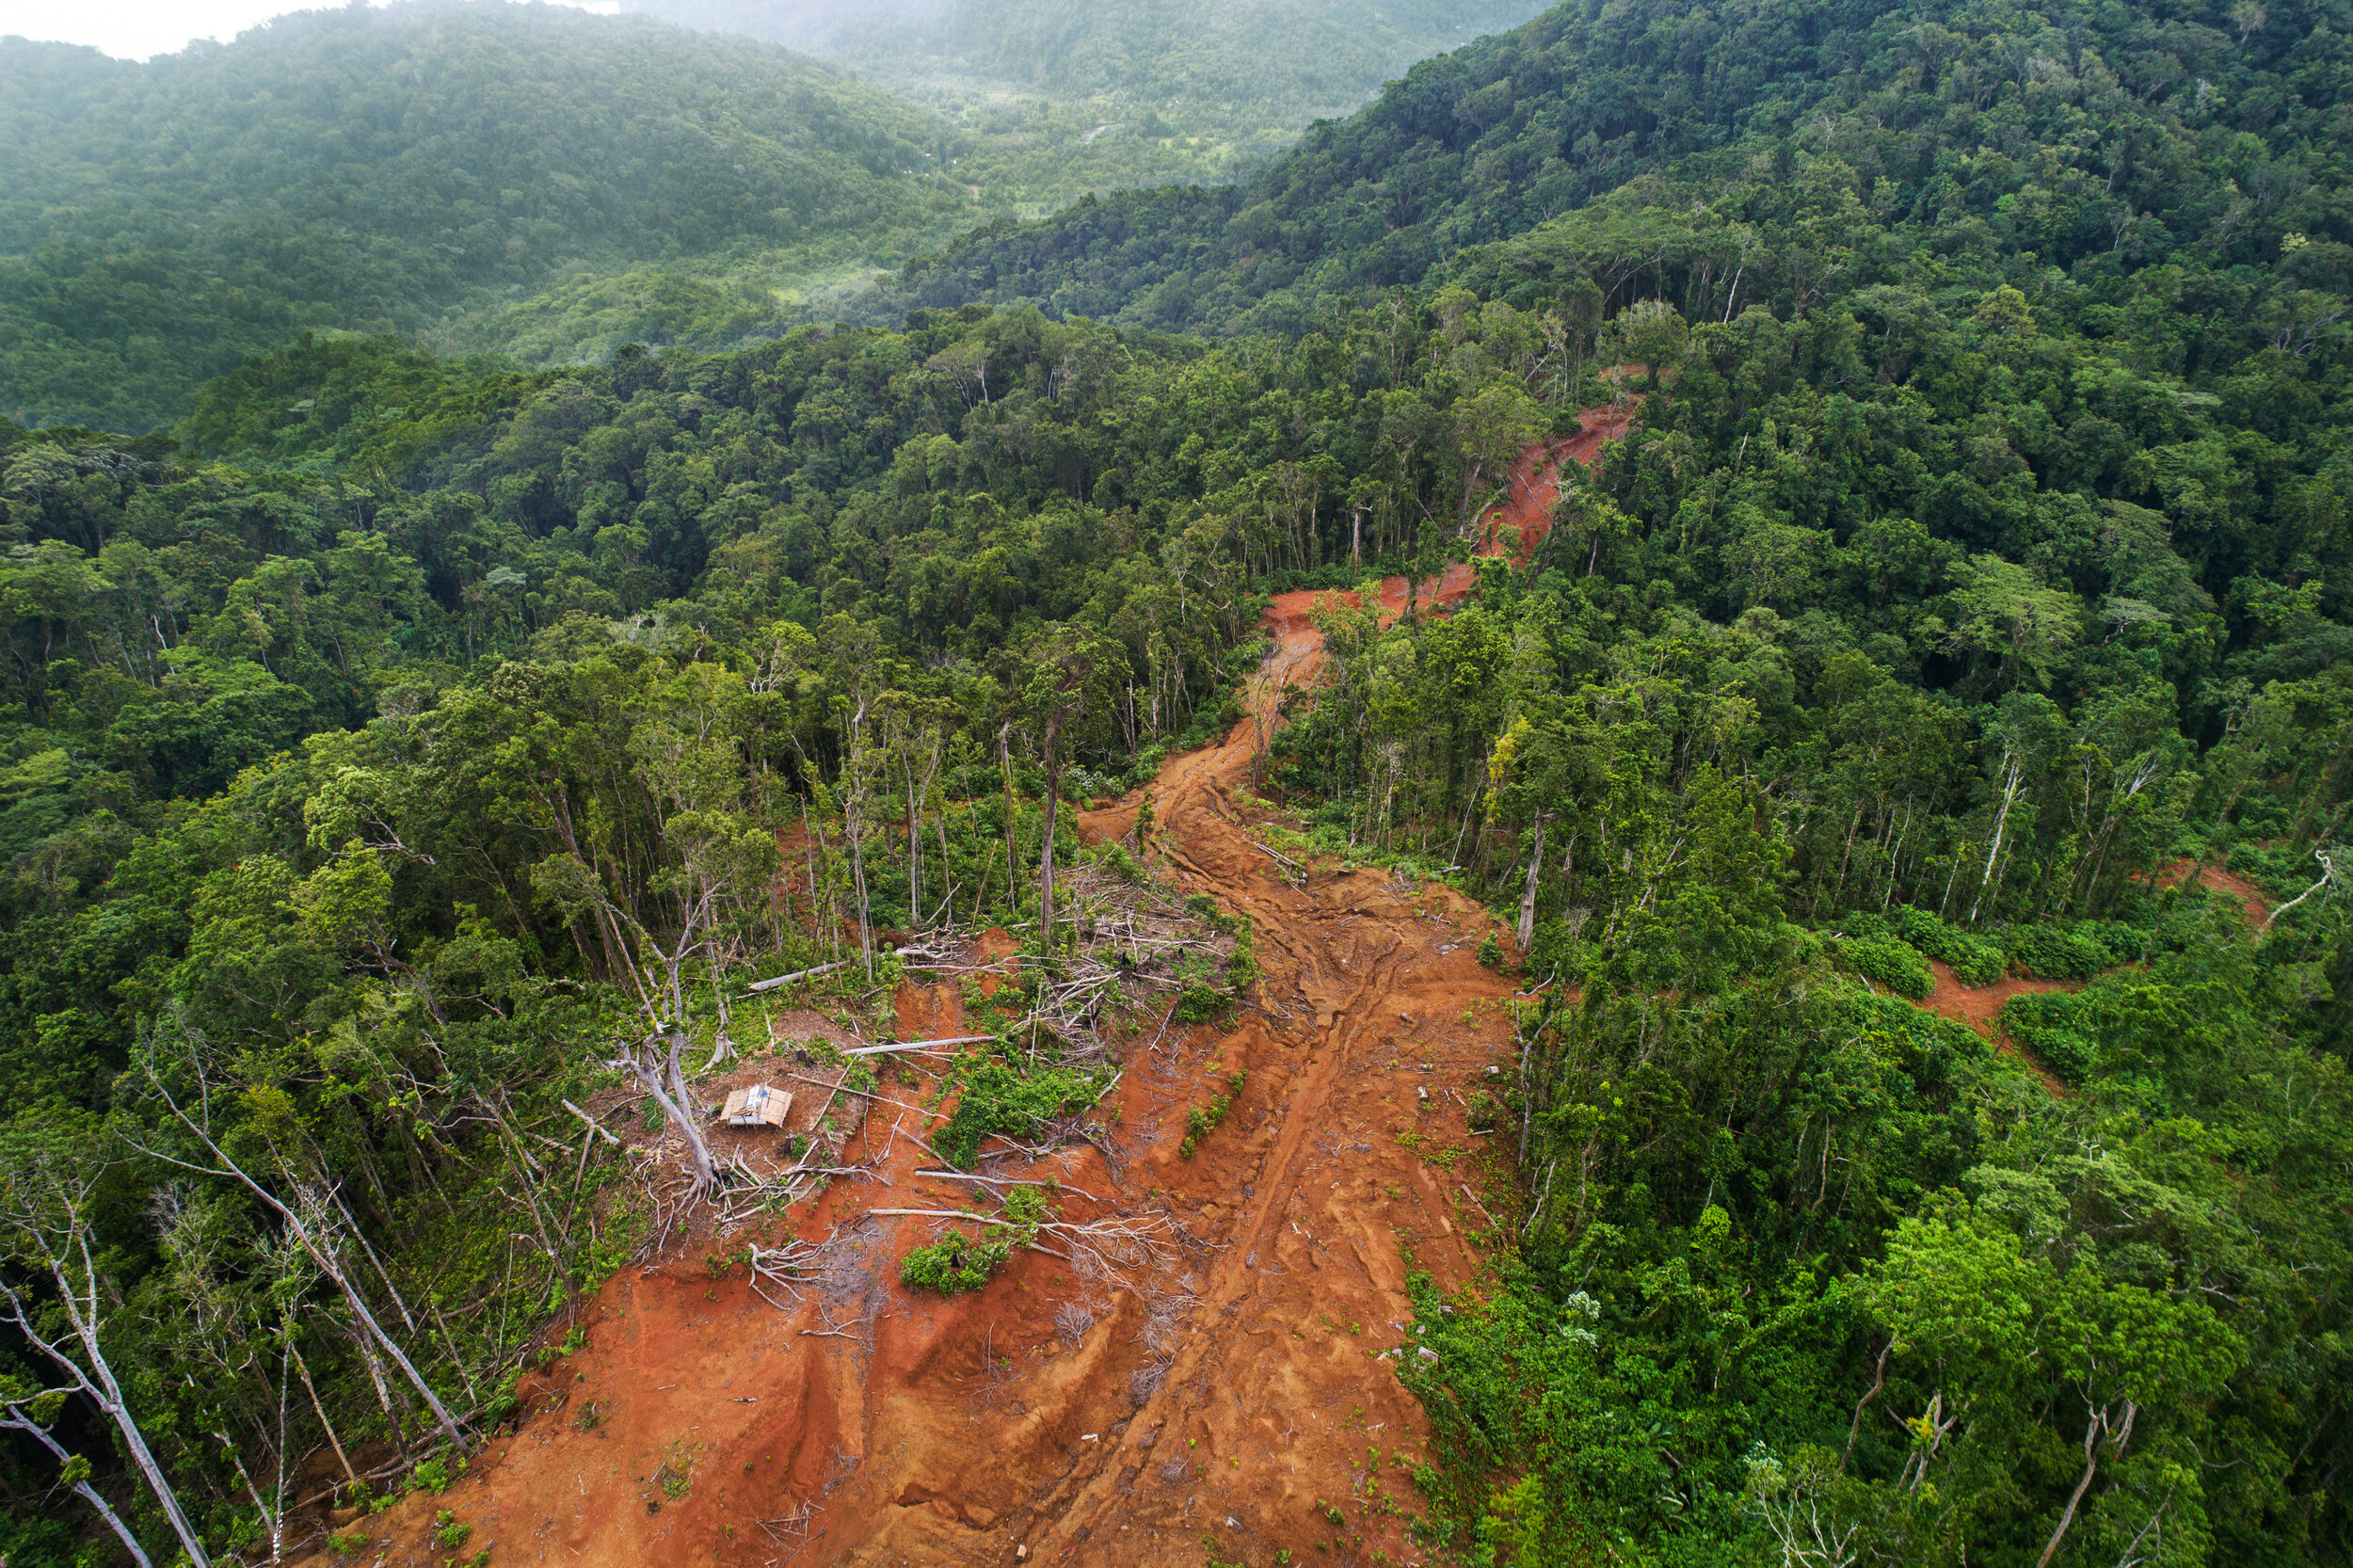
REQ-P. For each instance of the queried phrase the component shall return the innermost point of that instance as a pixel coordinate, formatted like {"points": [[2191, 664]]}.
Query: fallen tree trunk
{"points": [[798, 974], [919, 1045]]}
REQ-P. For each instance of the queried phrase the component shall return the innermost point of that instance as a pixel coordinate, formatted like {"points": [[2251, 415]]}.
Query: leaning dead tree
{"points": [[316, 1235], [645, 1062], [2331, 877], [45, 1208]]}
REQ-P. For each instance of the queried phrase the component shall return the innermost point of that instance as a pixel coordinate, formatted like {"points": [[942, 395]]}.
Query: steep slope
{"points": [[2101, 118], [391, 169]]}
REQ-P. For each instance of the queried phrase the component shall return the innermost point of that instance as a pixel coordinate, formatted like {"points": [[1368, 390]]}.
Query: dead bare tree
{"points": [[316, 1236], [645, 1062], [46, 1203], [30, 1413], [1070, 667]]}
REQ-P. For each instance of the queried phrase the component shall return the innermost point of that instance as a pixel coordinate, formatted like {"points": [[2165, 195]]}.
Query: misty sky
{"points": [[134, 29]]}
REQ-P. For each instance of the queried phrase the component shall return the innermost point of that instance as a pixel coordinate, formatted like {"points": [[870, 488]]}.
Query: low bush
{"points": [[2125, 944], [1114, 857], [1202, 1120], [954, 1265], [1894, 964], [998, 1100], [1198, 1004], [2056, 952], [1974, 960], [2046, 1026]]}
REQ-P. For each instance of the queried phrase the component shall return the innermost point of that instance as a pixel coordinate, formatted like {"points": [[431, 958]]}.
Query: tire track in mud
{"points": [[1345, 1000]]}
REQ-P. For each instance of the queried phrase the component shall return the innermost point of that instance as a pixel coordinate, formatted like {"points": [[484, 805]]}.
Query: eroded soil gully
{"points": [[1240, 1395]]}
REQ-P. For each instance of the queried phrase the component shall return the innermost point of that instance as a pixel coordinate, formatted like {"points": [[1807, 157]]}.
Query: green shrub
{"points": [[2055, 952], [1198, 1004], [1202, 1120], [998, 1100], [1491, 951], [1202, 908], [2047, 1026], [953, 1266], [1894, 964], [1973, 961], [1025, 1206], [1114, 857], [1483, 1111], [1241, 968], [2125, 944], [448, 1532]]}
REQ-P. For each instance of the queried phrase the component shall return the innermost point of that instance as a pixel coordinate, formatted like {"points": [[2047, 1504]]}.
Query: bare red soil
{"points": [[1980, 1008], [2228, 883], [1242, 1395]]}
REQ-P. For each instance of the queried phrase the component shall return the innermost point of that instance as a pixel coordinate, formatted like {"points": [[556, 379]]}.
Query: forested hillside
{"points": [[425, 168], [400, 745], [1963, 130], [1159, 91]]}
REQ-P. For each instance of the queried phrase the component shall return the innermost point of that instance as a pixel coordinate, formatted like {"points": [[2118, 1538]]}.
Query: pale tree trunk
{"points": [[1045, 857], [914, 851], [2098, 1424], [947, 870], [2013, 780], [273, 1517], [1013, 865], [18, 1421], [1528, 895], [302, 1370], [323, 1256], [676, 1105], [97, 1380], [853, 828]]}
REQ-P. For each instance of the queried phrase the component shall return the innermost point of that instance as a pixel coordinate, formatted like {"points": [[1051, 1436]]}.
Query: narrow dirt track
{"points": [[868, 1426]]}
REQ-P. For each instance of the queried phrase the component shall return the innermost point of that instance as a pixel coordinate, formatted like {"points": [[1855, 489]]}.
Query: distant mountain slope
{"points": [[1294, 59], [383, 168], [2066, 122], [1170, 89]]}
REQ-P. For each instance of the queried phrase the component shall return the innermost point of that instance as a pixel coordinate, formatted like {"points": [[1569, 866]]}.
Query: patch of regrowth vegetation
{"points": [[1202, 1120], [1895, 964], [954, 1265], [999, 1102]]}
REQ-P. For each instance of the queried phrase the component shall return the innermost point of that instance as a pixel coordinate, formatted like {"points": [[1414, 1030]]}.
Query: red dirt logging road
{"points": [[1241, 1397]]}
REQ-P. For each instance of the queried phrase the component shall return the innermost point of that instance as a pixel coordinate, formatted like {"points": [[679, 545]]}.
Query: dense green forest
{"points": [[1978, 565], [1135, 93], [2047, 136], [526, 179]]}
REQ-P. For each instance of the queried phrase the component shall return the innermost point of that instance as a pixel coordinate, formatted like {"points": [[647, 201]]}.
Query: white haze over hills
{"points": [[1231, 66], [140, 30]]}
